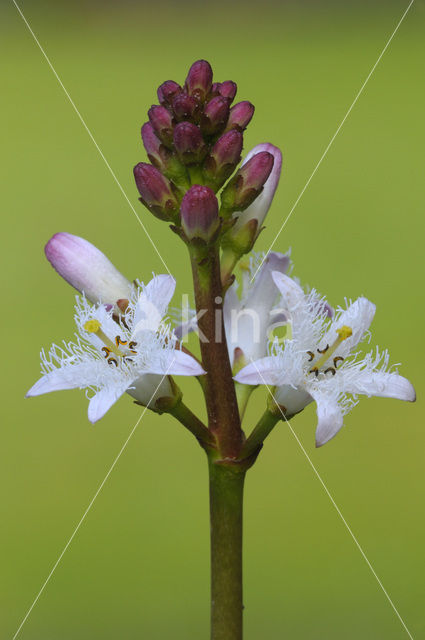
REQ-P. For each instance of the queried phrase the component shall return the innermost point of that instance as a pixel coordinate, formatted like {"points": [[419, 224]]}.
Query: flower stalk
{"points": [[263, 428], [226, 507], [188, 419]]}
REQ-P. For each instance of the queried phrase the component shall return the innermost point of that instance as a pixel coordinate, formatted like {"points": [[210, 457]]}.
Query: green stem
{"points": [[260, 432], [226, 499], [184, 415]]}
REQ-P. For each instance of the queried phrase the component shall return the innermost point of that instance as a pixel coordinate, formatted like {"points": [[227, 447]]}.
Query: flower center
{"points": [[343, 332], [94, 326]]}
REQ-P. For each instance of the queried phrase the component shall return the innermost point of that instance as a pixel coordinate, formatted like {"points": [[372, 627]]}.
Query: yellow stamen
{"points": [[94, 326], [343, 333]]}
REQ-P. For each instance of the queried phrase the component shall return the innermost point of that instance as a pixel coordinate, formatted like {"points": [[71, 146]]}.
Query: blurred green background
{"points": [[138, 567]]}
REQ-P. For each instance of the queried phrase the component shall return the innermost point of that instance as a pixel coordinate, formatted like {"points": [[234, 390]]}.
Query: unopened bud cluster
{"points": [[194, 141]]}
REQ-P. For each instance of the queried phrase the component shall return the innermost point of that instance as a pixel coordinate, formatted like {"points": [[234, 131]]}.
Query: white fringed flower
{"points": [[312, 364], [136, 354], [250, 316]]}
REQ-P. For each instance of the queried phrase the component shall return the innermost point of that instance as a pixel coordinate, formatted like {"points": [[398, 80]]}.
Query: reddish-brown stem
{"points": [[222, 407]]}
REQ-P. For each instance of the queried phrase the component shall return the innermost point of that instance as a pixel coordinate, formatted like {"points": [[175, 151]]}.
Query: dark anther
{"points": [[337, 359], [112, 360], [106, 351], [311, 354], [323, 350], [131, 346], [331, 369], [118, 341], [314, 370]]}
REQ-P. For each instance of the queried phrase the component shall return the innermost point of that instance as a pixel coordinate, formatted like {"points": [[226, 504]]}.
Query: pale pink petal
{"points": [[263, 371], [86, 268], [183, 364]]}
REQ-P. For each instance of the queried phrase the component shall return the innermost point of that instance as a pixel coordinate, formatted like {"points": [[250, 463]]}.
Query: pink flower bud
{"points": [[256, 171], [86, 268], [185, 107], [199, 213], [161, 120], [240, 115], [248, 182], [199, 80], [228, 148], [156, 191], [215, 116], [228, 90], [189, 143], [166, 91], [162, 158], [223, 158], [259, 208], [157, 153]]}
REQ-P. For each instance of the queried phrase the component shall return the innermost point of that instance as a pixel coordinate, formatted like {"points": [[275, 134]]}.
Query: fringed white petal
{"points": [[329, 416], [58, 380], [103, 400], [160, 290], [382, 384], [358, 316]]}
